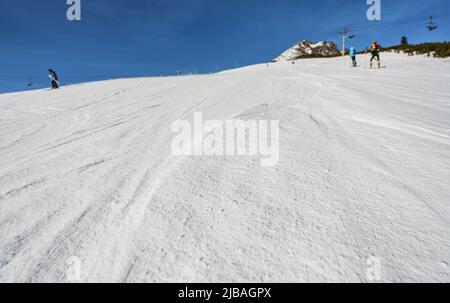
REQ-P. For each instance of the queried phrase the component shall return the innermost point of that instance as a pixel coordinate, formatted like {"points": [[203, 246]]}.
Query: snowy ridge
{"points": [[87, 178], [308, 49]]}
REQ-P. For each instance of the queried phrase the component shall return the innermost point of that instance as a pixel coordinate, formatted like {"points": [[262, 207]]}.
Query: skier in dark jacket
{"points": [[54, 78], [375, 50]]}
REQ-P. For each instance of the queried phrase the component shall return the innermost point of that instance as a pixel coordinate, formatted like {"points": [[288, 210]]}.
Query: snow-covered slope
{"points": [[88, 185], [305, 49]]}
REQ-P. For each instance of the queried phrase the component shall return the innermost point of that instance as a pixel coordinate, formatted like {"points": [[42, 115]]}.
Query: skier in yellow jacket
{"points": [[375, 49]]}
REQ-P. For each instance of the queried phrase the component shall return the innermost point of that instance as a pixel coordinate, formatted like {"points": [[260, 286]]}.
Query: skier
{"points": [[352, 54], [54, 78], [375, 49]]}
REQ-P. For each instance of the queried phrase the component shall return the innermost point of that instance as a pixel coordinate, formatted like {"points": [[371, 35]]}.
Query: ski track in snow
{"points": [[86, 172]]}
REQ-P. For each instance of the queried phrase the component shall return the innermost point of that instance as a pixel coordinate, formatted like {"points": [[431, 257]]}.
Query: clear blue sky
{"points": [[129, 38]]}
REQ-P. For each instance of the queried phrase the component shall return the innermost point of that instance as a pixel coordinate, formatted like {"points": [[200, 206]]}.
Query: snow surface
{"points": [[86, 175]]}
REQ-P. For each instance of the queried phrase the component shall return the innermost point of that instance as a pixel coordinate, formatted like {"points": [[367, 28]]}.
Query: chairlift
{"points": [[351, 35], [30, 83], [431, 25]]}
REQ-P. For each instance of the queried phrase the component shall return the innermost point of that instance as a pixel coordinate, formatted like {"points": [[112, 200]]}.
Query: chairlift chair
{"points": [[431, 25]]}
